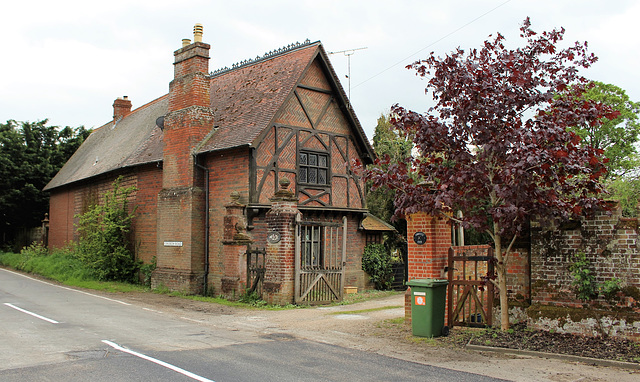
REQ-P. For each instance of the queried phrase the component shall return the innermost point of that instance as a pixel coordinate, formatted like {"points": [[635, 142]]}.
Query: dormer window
{"points": [[313, 168]]}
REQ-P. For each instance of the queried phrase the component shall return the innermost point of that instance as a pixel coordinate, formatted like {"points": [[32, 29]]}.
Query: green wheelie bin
{"points": [[428, 304]]}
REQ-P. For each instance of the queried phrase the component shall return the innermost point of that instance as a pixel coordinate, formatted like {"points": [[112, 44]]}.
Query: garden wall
{"points": [[609, 243]]}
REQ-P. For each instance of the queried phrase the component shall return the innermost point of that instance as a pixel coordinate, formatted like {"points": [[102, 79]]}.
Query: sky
{"points": [[68, 60]]}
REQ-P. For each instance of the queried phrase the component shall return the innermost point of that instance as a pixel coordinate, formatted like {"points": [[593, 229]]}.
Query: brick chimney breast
{"points": [[121, 107]]}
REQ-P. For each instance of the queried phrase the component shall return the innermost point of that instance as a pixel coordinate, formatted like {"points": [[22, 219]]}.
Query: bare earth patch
{"points": [[521, 338]]}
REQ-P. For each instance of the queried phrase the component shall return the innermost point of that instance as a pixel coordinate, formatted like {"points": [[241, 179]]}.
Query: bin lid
{"points": [[427, 283]]}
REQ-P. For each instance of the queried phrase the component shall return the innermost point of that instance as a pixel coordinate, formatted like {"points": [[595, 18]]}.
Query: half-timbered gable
{"points": [[311, 142]]}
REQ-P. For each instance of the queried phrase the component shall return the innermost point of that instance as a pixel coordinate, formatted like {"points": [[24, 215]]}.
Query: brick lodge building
{"points": [[243, 177]]}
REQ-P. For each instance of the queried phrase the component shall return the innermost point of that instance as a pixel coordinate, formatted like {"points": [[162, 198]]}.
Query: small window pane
{"points": [[313, 160], [322, 176], [303, 158], [303, 174], [322, 161], [313, 175], [316, 253]]}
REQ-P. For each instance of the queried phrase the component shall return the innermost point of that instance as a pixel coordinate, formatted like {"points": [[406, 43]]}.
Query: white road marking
{"points": [[153, 310], [191, 319], [71, 289], [157, 361], [31, 313]]}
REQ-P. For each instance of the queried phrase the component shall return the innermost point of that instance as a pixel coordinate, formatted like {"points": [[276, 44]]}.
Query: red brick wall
{"points": [[518, 275], [61, 211], [229, 172], [181, 219], [149, 183]]}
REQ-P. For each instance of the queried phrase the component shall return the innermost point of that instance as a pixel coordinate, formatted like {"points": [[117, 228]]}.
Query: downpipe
{"points": [[205, 171]]}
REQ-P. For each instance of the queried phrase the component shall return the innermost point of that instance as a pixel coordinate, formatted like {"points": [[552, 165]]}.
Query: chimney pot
{"points": [[185, 42], [197, 33]]}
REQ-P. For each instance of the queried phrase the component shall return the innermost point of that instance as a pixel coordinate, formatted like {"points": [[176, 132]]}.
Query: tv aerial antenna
{"points": [[348, 53]]}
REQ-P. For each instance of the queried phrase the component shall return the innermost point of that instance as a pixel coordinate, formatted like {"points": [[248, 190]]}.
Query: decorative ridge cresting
{"points": [[267, 55]]}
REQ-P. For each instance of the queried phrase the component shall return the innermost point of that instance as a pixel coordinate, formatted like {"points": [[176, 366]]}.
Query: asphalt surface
{"points": [[50, 332]]}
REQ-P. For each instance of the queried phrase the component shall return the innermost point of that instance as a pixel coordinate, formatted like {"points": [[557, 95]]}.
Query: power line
{"points": [[433, 43]]}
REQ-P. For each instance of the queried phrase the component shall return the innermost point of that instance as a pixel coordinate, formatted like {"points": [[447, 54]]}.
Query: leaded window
{"points": [[313, 168]]}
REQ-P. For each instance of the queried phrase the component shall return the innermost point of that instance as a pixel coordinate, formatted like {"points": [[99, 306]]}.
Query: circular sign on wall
{"points": [[419, 238], [273, 237]]}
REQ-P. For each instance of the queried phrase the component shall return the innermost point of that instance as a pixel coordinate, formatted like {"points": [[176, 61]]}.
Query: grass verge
{"points": [[62, 266]]}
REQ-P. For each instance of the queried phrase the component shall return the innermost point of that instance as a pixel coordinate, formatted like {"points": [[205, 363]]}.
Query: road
{"points": [[50, 332]]}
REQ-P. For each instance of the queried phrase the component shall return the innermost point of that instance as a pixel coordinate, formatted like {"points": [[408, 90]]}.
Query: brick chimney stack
{"points": [[190, 86], [121, 107], [181, 202], [189, 116]]}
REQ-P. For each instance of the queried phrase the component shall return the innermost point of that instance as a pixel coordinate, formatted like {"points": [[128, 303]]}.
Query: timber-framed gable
{"points": [[310, 142]]}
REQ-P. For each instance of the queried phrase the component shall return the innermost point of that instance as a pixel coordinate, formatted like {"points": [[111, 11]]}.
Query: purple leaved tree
{"points": [[496, 145]]}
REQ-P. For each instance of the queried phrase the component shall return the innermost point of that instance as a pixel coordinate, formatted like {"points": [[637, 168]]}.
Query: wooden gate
{"points": [[320, 261], [256, 261], [470, 291]]}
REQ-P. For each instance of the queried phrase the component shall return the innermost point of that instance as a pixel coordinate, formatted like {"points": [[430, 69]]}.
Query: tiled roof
{"points": [[372, 223], [244, 100], [133, 140]]}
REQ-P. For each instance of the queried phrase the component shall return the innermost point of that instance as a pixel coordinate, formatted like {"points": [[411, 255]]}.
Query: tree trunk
{"points": [[501, 271]]}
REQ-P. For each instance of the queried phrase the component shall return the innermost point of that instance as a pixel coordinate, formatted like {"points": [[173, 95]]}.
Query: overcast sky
{"points": [[67, 60]]}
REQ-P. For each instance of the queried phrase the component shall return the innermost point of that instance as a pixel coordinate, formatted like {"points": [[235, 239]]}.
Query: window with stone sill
{"points": [[313, 168]]}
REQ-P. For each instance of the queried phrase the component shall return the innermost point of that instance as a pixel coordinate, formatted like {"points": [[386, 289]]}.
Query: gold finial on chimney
{"points": [[197, 33], [185, 42]]}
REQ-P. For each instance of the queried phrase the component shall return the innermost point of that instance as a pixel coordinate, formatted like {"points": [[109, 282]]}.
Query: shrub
{"points": [[610, 289], [252, 298], [147, 271], [377, 262], [583, 278], [104, 244]]}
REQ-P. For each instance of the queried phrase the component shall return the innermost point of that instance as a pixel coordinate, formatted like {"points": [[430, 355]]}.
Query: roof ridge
{"points": [[273, 53], [141, 107]]}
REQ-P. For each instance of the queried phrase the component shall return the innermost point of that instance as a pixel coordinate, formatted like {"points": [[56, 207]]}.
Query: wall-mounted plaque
{"points": [[419, 238], [273, 237]]}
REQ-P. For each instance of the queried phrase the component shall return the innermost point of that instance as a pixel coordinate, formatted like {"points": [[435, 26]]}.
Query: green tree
{"points": [[389, 142], [626, 189], [617, 137], [31, 153]]}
